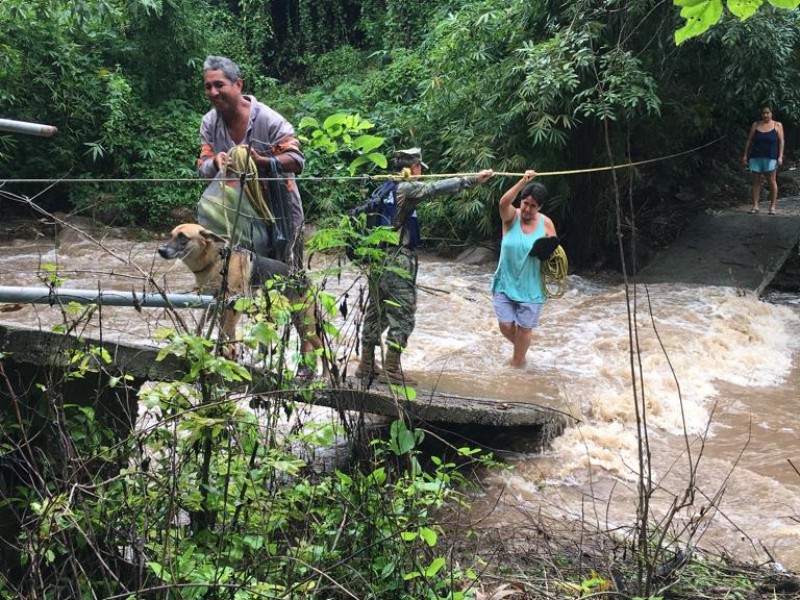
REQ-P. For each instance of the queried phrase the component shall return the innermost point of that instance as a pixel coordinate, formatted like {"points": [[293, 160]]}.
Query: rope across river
{"points": [[368, 178], [626, 165]]}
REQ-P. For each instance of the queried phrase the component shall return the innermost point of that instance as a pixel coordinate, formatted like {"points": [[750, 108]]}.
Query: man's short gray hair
{"points": [[220, 63]]}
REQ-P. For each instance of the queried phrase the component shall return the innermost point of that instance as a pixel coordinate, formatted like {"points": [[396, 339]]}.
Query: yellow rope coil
{"points": [[554, 274]]}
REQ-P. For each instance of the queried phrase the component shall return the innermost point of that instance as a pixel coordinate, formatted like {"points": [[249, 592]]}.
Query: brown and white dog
{"points": [[201, 251]]}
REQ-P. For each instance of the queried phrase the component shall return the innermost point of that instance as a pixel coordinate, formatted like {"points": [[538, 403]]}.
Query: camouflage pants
{"points": [[392, 301]]}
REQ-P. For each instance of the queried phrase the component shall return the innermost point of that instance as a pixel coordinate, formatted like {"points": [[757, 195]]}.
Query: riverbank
{"points": [[580, 562]]}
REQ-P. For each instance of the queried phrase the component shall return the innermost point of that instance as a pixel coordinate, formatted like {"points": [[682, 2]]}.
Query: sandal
{"points": [[752, 211], [772, 211]]}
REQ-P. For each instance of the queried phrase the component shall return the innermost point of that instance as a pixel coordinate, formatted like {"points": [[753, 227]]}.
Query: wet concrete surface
{"points": [[730, 248]]}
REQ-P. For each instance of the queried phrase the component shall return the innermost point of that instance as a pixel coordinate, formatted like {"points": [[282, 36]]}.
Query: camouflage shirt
{"points": [[410, 194]]}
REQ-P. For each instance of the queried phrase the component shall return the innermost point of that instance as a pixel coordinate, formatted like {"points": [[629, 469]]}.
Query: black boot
{"points": [[367, 367], [393, 370]]}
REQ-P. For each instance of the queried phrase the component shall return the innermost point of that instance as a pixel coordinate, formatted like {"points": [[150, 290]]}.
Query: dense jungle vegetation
{"points": [[210, 498], [502, 84]]}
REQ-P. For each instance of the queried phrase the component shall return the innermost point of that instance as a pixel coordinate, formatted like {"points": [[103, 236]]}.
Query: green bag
{"points": [[227, 211]]}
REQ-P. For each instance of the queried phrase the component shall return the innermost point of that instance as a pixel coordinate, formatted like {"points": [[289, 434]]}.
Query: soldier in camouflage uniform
{"points": [[392, 300]]}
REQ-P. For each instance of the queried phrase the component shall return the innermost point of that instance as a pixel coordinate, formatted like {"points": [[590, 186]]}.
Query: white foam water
{"points": [[707, 360]]}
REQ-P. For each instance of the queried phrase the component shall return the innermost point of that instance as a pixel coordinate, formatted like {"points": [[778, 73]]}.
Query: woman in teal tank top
{"points": [[517, 293]]}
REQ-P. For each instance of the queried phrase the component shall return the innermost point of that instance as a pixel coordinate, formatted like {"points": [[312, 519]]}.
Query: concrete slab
{"points": [[730, 248], [433, 406], [38, 352], [47, 349]]}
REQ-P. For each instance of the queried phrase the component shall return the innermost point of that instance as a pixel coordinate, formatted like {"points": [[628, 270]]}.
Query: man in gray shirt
{"points": [[240, 120]]}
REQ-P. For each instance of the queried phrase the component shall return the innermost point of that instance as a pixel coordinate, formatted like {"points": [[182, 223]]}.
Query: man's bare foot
{"points": [[517, 365]]}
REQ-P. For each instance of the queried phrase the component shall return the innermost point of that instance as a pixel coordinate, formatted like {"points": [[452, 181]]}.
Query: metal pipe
{"points": [[29, 295], [28, 128]]}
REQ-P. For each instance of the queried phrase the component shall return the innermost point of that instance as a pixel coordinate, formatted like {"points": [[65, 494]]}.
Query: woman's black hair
{"points": [[536, 191]]}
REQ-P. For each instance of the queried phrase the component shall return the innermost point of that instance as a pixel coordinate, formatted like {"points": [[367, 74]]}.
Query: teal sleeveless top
{"points": [[518, 274]]}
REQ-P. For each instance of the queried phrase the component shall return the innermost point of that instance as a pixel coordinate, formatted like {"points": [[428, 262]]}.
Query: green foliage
{"points": [[344, 133], [150, 145], [55, 71], [502, 84], [397, 82], [351, 233], [590, 586], [701, 575], [213, 498], [543, 93], [757, 65], [390, 24], [333, 68], [701, 15], [93, 71], [166, 41], [365, 247], [164, 146], [340, 145]]}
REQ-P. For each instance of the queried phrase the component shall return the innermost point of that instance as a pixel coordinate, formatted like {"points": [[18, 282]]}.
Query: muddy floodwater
{"points": [[720, 379]]}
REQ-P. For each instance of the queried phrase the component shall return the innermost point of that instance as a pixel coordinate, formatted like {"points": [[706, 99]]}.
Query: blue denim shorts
{"points": [[524, 314], [763, 165]]}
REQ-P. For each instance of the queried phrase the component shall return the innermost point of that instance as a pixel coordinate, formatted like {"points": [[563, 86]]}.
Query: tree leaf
{"points": [[435, 567], [402, 440], [380, 159], [429, 535], [334, 119], [308, 122], [700, 15], [367, 143], [744, 9]]}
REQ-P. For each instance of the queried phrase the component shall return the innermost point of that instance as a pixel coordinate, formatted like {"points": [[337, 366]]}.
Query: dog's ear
{"points": [[211, 236]]}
